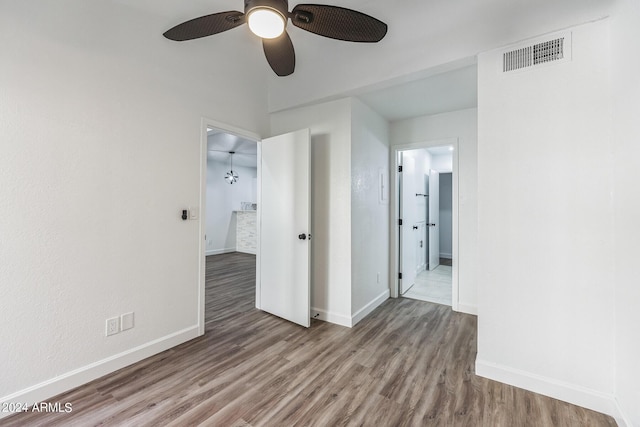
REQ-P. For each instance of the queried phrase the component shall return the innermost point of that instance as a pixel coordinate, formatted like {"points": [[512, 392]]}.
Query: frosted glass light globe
{"points": [[266, 23]]}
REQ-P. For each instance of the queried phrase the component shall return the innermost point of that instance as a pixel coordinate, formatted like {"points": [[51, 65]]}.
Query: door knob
{"points": [[302, 236], [415, 227]]}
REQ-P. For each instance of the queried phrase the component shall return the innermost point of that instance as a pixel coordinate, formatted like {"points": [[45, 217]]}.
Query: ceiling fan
{"points": [[268, 20]]}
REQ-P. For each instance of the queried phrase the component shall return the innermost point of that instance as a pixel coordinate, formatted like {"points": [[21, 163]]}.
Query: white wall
{"points": [[442, 163], [369, 217], [626, 134], [330, 126], [100, 143], [461, 125], [222, 200], [545, 307], [446, 214]]}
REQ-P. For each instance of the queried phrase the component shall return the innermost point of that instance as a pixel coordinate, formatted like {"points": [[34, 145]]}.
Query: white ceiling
{"points": [[423, 35], [445, 150], [219, 144], [449, 91]]}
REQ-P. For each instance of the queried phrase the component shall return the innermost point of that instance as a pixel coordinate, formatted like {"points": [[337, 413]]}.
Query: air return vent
{"points": [[555, 49]]}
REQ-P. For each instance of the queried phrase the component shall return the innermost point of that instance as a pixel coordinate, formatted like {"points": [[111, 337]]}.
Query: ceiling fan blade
{"points": [[206, 26], [280, 54], [338, 23]]}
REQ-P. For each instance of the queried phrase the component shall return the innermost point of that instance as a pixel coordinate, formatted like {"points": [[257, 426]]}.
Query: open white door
{"points": [[284, 209], [408, 213], [434, 219]]}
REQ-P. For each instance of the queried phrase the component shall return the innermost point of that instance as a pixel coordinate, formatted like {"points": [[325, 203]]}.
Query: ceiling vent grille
{"points": [[516, 59], [533, 54], [552, 50]]}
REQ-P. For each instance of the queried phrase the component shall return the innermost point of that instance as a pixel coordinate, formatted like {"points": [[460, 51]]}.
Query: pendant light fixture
{"points": [[231, 176]]}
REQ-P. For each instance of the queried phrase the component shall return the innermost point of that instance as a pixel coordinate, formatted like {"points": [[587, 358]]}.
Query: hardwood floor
{"points": [[446, 261], [409, 363]]}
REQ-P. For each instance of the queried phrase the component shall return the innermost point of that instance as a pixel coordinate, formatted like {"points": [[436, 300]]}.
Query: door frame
{"points": [[395, 215], [202, 223]]}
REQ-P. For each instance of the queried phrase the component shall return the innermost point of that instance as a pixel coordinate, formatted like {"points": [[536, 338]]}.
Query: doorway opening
{"points": [[425, 231], [228, 200]]}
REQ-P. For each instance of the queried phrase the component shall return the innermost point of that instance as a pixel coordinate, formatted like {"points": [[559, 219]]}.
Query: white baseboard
{"points": [[447, 256], [468, 309], [247, 251], [349, 321], [622, 419], [327, 316], [368, 308], [219, 251], [575, 394], [65, 382]]}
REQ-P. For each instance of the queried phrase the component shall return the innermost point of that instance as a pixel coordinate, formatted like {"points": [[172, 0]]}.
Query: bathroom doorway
{"points": [[425, 205]]}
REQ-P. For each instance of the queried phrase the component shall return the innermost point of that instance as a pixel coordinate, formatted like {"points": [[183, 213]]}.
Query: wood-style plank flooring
{"points": [[409, 363]]}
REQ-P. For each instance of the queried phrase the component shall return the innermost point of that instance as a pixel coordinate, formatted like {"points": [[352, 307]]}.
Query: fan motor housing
{"points": [[281, 6]]}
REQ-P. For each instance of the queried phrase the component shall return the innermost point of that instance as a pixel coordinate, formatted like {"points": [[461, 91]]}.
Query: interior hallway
{"points": [[407, 363], [435, 285]]}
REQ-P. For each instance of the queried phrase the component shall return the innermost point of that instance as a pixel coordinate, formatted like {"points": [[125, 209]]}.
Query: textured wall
{"points": [[545, 304], [369, 217], [626, 150], [100, 128]]}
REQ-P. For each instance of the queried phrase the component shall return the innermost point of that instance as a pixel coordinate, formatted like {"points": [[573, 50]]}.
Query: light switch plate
{"points": [[194, 213], [126, 321]]}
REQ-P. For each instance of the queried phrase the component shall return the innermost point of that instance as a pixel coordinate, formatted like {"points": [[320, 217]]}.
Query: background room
{"points": [[231, 202]]}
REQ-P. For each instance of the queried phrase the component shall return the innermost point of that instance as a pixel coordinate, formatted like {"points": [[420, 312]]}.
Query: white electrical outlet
{"points": [[113, 326], [126, 321]]}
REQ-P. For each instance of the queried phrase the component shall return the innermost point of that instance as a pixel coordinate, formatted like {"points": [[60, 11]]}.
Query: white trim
{"points": [[327, 316], [70, 380], [219, 251], [446, 255], [395, 215], [343, 320], [223, 127], [455, 218], [248, 251], [622, 419], [468, 309], [567, 392], [258, 222], [368, 308]]}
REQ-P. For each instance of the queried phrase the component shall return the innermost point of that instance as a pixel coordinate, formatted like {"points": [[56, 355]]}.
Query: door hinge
{"points": [[400, 222], [399, 168], [399, 275]]}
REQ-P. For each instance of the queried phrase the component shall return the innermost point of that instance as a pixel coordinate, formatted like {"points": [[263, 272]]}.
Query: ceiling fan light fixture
{"points": [[266, 22], [231, 176], [268, 19]]}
